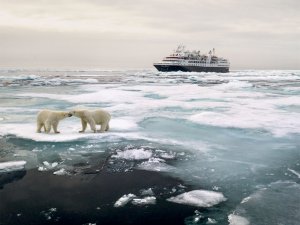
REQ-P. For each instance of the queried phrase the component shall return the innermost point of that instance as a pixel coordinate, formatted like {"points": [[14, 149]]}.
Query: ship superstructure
{"points": [[184, 60]]}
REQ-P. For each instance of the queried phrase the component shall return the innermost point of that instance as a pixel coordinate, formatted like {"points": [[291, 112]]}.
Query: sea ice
{"points": [[144, 201], [294, 172], [134, 154], [211, 221], [47, 166], [245, 199], [199, 198], [237, 220], [50, 213], [155, 164], [12, 166], [124, 200], [166, 155], [148, 191], [61, 172]]}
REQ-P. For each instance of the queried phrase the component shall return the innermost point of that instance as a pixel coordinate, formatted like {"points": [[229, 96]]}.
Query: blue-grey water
{"points": [[237, 133]]}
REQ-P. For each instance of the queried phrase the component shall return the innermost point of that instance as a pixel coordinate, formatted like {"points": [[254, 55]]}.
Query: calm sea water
{"points": [[237, 134]]}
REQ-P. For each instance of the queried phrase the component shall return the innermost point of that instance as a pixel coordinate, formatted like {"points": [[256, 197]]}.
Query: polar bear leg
{"points": [[84, 124], [48, 126], [107, 127], [103, 127], [39, 127], [92, 124], [54, 125]]}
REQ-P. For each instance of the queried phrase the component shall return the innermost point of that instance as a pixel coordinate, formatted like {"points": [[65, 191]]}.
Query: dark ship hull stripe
{"points": [[171, 68]]}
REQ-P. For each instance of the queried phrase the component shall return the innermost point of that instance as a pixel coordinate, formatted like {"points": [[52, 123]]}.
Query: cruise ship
{"points": [[193, 61]]}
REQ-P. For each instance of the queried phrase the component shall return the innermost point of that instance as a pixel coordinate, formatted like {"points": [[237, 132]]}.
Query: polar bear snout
{"points": [[70, 114]]}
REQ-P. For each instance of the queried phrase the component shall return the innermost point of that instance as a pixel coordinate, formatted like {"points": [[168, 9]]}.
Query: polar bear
{"points": [[93, 118], [48, 118]]}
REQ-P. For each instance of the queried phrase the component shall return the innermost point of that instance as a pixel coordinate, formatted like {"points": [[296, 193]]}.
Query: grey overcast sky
{"points": [[115, 34]]}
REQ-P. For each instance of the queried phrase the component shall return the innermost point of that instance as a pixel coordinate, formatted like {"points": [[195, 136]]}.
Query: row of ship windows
{"points": [[205, 62], [194, 61]]}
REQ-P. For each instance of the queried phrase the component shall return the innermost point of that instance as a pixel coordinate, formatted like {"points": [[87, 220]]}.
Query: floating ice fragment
{"points": [[134, 154], [211, 221], [12, 166], [61, 172], [147, 191], [49, 213], [124, 200], [245, 199], [144, 201], [181, 186], [47, 166], [294, 172], [237, 220], [170, 155], [155, 164], [41, 168], [197, 218], [199, 198], [36, 150], [216, 188]]}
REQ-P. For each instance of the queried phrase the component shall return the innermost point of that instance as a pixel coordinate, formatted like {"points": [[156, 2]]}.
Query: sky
{"points": [[133, 34]]}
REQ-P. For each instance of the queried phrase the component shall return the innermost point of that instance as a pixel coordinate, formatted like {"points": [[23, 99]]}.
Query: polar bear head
{"points": [[67, 114], [63, 115], [77, 113]]}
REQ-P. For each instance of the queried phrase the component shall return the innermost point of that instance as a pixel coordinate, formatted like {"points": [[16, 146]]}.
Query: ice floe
{"points": [[148, 191], [47, 166], [61, 172], [237, 220], [133, 154], [294, 172], [124, 200], [199, 198], [168, 155], [211, 221], [12, 166], [143, 158], [245, 199], [150, 200], [155, 164], [69, 132], [50, 213]]}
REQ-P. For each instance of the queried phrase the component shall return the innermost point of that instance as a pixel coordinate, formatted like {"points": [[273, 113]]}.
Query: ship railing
{"points": [[193, 64]]}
